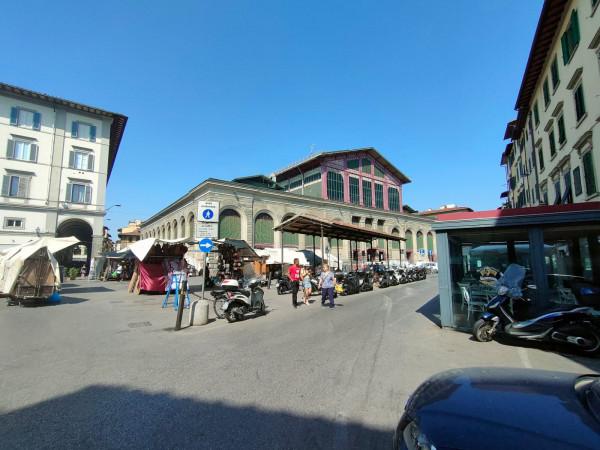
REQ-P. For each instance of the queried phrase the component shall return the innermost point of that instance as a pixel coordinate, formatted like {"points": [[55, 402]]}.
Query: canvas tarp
{"points": [[141, 248], [13, 259]]}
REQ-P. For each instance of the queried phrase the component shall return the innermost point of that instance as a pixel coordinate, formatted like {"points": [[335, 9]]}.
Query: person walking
{"points": [[306, 284], [326, 283], [294, 274]]}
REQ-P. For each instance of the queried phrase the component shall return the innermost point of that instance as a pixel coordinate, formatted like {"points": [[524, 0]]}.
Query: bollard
{"points": [[199, 312]]}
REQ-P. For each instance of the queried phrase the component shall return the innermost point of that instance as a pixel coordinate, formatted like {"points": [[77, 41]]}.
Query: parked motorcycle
{"points": [[384, 279], [284, 285], [573, 326], [394, 281], [365, 280], [245, 302], [351, 284]]}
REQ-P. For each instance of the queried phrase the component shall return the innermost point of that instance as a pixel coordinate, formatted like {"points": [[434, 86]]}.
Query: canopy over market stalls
{"points": [[32, 266], [314, 226]]}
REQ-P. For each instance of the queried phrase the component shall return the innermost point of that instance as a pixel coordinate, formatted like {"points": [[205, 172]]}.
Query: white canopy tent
{"points": [[13, 259], [141, 248]]}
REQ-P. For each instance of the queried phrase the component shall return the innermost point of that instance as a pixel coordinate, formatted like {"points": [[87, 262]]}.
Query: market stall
{"points": [[156, 261], [234, 258], [29, 272]]}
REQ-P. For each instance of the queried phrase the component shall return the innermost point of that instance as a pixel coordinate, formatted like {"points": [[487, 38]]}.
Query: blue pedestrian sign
{"points": [[208, 211], [208, 214], [205, 245]]}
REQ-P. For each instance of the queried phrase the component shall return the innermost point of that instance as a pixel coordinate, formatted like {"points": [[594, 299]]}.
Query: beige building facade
{"points": [[56, 161], [553, 156]]}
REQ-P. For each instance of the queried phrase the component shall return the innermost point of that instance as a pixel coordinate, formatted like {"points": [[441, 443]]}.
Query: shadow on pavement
{"points": [[84, 290], [110, 417], [431, 310]]}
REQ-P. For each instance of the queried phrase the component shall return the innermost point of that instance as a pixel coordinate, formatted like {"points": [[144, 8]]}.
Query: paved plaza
{"points": [[104, 369]]}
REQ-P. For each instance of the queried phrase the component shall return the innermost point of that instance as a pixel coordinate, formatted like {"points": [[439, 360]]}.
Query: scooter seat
{"points": [[217, 292]]}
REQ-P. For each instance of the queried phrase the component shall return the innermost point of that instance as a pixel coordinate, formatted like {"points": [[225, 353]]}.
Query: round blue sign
{"points": [[207, 214], [205, 245]]}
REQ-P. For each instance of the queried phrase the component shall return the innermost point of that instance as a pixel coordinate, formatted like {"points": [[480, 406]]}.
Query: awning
{"points": [[242, 247], [141, 248], [314, 226]]}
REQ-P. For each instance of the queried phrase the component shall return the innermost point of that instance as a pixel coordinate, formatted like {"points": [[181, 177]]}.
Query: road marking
{"points": [[524, 357]]}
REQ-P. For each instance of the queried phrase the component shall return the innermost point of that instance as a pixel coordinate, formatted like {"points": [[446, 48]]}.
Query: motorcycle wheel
{"points": [[218, 307], [482, 331], [591, 335], [280, 290], [230, 316]]}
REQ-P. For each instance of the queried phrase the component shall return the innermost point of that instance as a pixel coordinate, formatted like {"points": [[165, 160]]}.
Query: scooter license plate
{"points": [[225, 305]]}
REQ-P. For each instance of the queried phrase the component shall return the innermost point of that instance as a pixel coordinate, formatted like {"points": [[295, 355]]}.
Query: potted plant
{"points": [[73, 273]]}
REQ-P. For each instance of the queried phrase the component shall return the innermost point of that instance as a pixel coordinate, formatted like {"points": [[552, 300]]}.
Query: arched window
{"points": [[174, 229], [420, 242], [409, 240], [182, 229], [191, 225], [396, 244], [289, 239], [263, 230], [168, 236], [230, 225], [430, 242]]}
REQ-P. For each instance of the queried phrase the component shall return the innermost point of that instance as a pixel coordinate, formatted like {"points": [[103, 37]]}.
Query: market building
{"points": [[359, 187], [58, 159], [553, 156]]}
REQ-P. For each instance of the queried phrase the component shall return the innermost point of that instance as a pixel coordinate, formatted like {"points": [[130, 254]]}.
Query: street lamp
{"points": [[110, 207]]}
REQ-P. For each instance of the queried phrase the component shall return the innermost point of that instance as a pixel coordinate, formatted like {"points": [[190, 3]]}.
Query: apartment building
{"points": [[58, 158], [553, 156]]}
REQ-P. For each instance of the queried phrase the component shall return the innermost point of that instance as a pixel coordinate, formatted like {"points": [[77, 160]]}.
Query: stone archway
{"points": [[80, 254]]}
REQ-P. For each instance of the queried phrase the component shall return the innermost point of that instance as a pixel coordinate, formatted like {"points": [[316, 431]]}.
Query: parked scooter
{"points": [[365, 281], [574, 326], [246, 302], [284, 285], [384, 279], [394, 281]]}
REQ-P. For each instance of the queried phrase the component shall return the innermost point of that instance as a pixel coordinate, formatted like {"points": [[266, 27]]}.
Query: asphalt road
{"points": [[105, 369]]}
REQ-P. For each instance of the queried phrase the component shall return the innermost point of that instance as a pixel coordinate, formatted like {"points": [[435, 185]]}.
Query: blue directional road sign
{"points": [[208, 214], [205, 245]]}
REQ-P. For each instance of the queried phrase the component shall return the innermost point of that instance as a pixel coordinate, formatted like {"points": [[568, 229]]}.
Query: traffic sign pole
{"points": [[204, 274]]}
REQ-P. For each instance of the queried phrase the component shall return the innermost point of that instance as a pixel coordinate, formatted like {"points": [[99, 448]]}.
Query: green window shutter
{"points": [[14, 116], [420, 243], [565, 48], [574, 29], [561, 129], [72, 159], [74, 129], [5, 184], [541, 158], [230, 225], [588, 173], [23, 187], [536, 114], [92, 133], [577, 180], [88, 194], [579, 102], [263, 229], [546, 90], [37, 121], [409, 240], [430, 241], [552, 143], [90, 162], [10, 149], [33, 152], [69, 192], [554, 73]]}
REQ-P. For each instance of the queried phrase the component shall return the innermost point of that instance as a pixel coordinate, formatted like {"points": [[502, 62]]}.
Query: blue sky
{"points": [[230, 88]]}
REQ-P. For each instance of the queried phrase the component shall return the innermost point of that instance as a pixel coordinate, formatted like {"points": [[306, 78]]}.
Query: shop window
{"points": [[23, 150], [26, 118], [354, 190], [367, 195], [477, 260], [379, 196], [230, 225], [588, 173], [15, 185], [577, 180], [571, 259], [365, 165], [579, 102], [263, 230], [570, 38], [393, 199], [353, 164], [554, 73], [335, 186]]}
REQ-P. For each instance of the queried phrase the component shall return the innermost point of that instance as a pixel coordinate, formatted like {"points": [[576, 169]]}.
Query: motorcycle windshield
{"points": [[512, 279]]}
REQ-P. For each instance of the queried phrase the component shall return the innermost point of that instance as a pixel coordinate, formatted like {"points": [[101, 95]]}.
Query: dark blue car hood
{"points": [[497, 408]]}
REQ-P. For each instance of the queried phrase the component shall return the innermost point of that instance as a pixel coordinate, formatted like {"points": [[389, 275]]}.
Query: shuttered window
{"points": [[546, 91], [552, 144], [14, 185], [554, 73], [22, 150], [354, 190], [577, 180], [367, 195], [335, 186], [82, 130], [263, 230], [26, 118], [589, 175], [230, 225], [570, 38], [79, 193], [393, 199], [536, 114], [81, 160], [379, 196], [562, 136], [541, 158], [579, 102], [409, 240]]}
